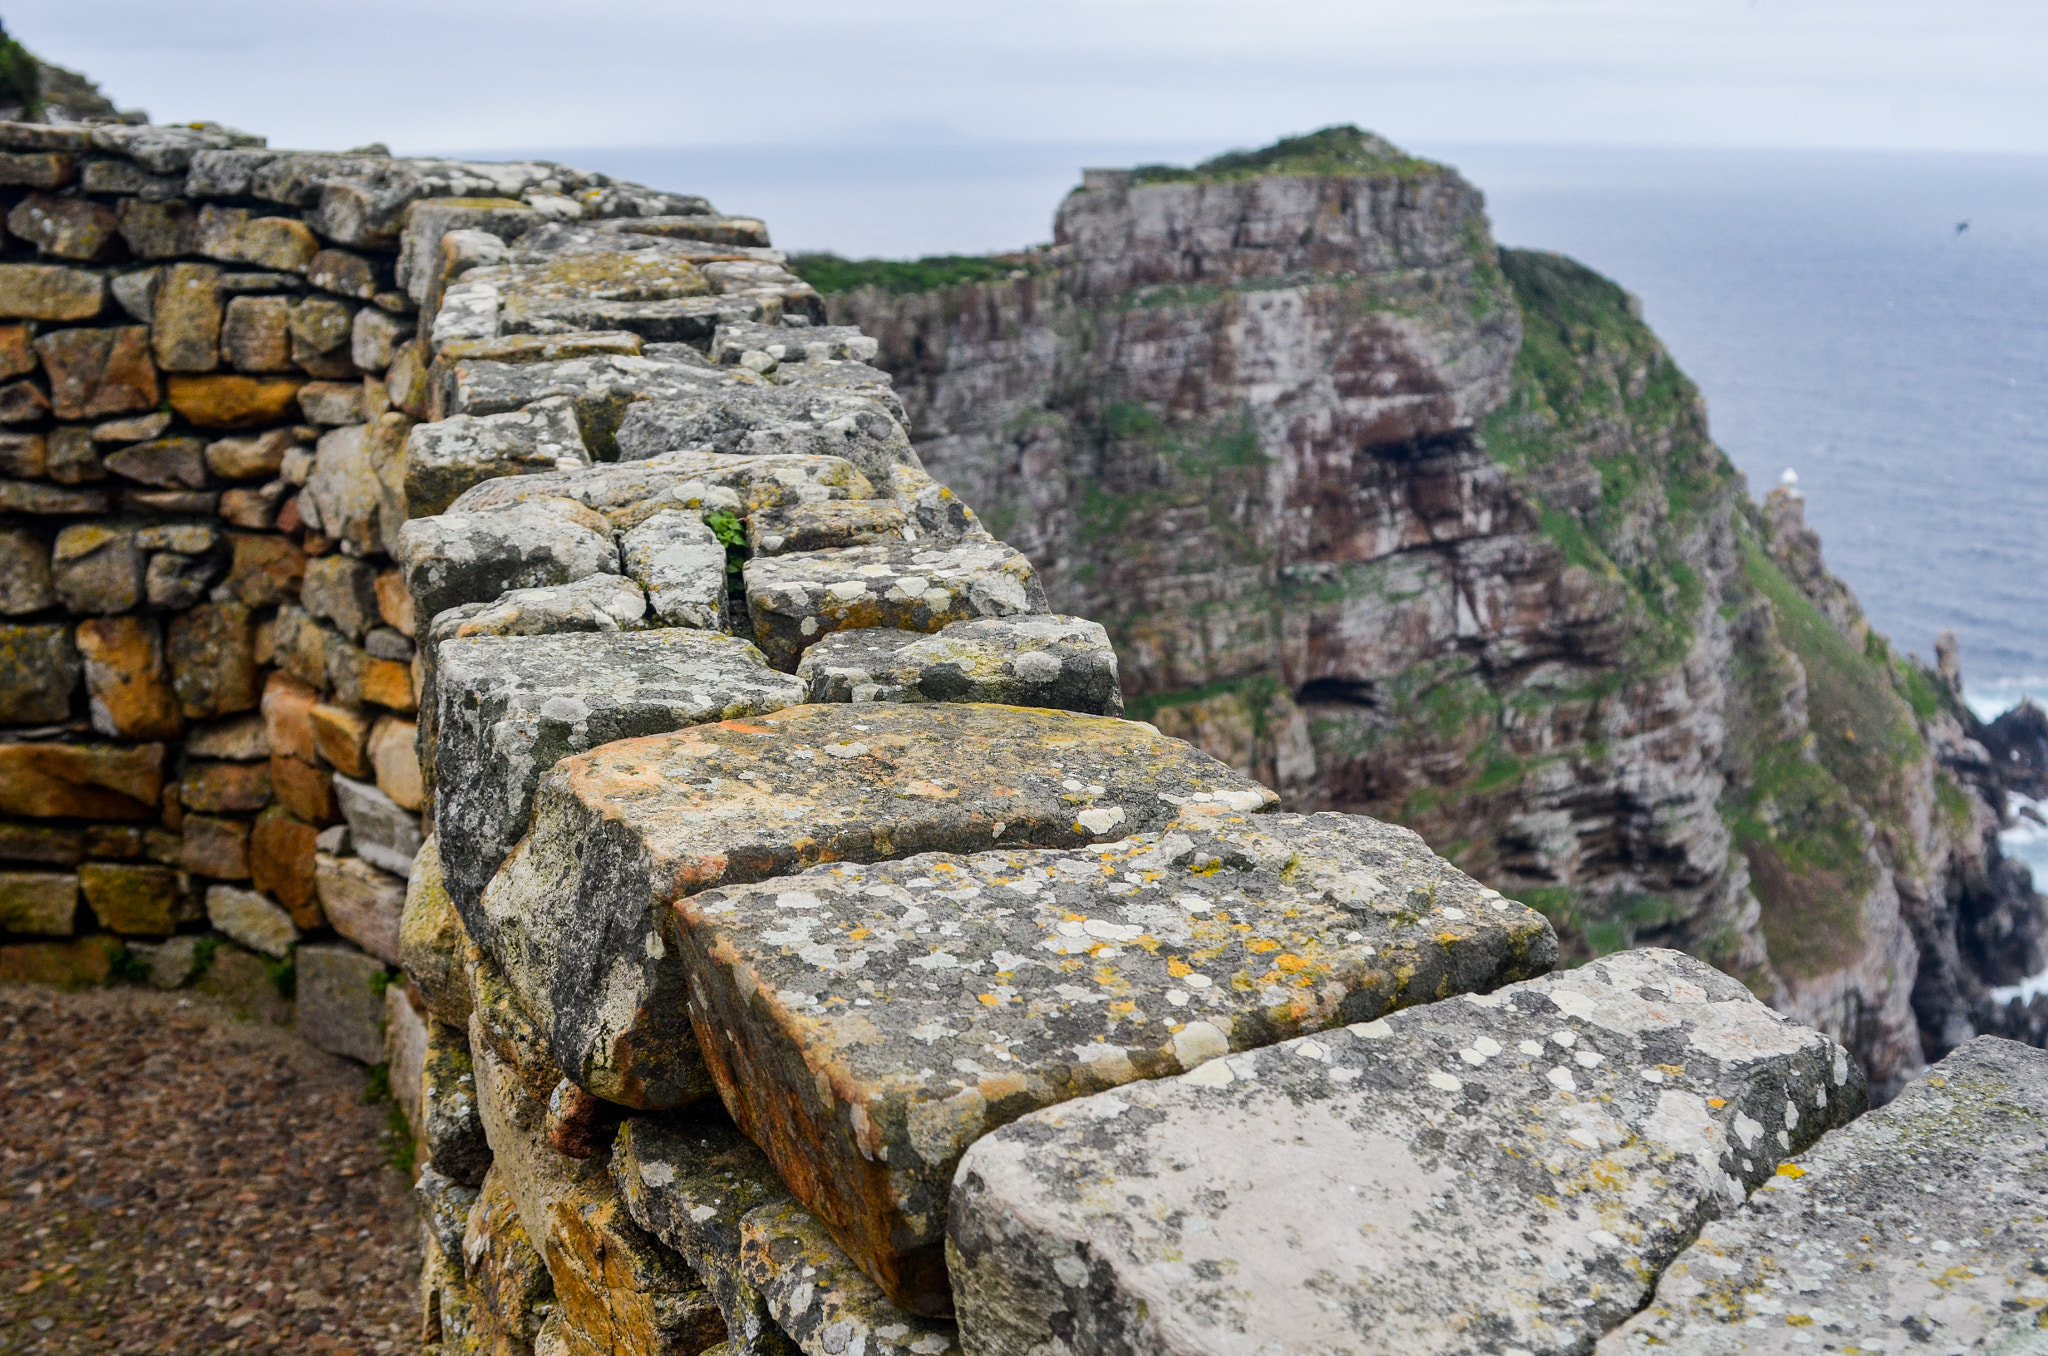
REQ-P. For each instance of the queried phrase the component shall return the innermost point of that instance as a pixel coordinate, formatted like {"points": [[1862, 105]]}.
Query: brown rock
{"points": [[186, 318], [343, 272], [281, 852], [343, 590], [321, 329], [229, 403], [50, 292], [156, 230], [253, 508], [287, 707], [39, 903], [40, 843], [213, 665], [407, 379], [230, 234], [254, 336], [362, 903], [23, 402], [23, 455], [394, 601], [65, 228], [240, 738], [136, 428], [25, 583], [24, 497], [95, 372], [216, 848], [17, 358], [38, 670], [307, 791], [131, 899], [128, 842], [73, 460], [200, 503], [210, 787], [394, 753], [127, 679], [342, 737], [37, 169], [389, 683], [300, 645], [331, 403], [168, 463], [266, 569], [97, 568], [257, 458], [83, 964], [81, 781]]}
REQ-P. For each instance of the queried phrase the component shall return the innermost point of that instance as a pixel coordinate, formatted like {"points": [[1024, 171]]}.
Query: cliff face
{"points": [[1408, 525]]}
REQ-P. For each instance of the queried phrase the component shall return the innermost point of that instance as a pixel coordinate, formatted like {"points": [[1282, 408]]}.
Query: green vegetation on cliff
{"points": [[1344, 149], [831, 274]]}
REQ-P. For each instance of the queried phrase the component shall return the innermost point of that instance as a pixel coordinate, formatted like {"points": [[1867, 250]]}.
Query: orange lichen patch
{"points": [[1717, 1101], [1178, 968], [1290, 964], [1261, 945], [1791, 1170]]}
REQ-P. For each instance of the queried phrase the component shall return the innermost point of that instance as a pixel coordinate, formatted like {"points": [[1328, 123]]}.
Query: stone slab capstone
{"points": [[1062, 662]]}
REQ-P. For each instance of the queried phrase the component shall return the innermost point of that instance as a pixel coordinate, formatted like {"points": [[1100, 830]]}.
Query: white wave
{"points": [[1994, 697]]}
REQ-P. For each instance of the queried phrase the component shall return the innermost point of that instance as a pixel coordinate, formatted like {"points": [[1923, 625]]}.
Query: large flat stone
{"points": [[1918, 1227], [796, 598], [1062, 662], [578, 917], [507, 708], [681, 564], [1486, 1174], [600, 387], [444, 459], [866, 1024], [764, 420], [472, 557], [629, 493], [365, 904]]}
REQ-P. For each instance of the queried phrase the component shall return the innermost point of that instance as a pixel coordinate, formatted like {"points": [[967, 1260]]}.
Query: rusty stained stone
{"points": [[17, 357], [287, 704], [50, 292], [342, 738], [98, 372], [185, 318], [81, 781], [254, 335], [127, 678], [281, 850], [233, 235], [616, 1288], [432, 947], [65, 228], [213, 660], [168, 463], [132, 899], [225, 404], [216, 848], [506, 1277], [266, 568], [625, 831], [38, 673], [209, 786], [307, 791], [41, 843], [253, 458], [23, 402]]}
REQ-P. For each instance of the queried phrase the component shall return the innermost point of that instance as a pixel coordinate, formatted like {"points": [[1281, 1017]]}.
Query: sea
{"points": [[1873, 323]]}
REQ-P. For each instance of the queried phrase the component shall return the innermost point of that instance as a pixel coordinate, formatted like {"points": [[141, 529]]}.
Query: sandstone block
{"points": [[251, 919], [38, 672], [126, 841], [510, 1285], [213, 660], [681, 564], [342, 738], [156, 230], [394, 603], [234, 236], [343, 590], [209, 786], [81, 781], [23, 456], [463, 557], [87, 962], [129, 898], [513, 1104], [170, 463], [356, 492], [362, 903], [97, 568], [389, 683], [431, 943], [1061, 662], [39, 903], [796, 598], [65, 228], [340, 1001], [175, 580], [826, 527], [281, 849], [1914, 1219], [449, 1125], [25, 581], [265, 568], [98, 372], [216, 848], [405, 1051], [241, 738], [186, 312], [616, 1288], [287, 716], [17, 355], [332, 403], [254, 334], [73, 459], [50, 292], [507, 708], [1561, 1138], [254, 458], [226, 404], [127, 678], [40, 843], [444, 459], [385, 834], [23, 402], [393, 751]]}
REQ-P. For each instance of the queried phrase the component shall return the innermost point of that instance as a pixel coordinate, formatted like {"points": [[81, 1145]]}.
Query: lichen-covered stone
{"points": [[794, 599], [616, 1288], [356, 492], [98, 372], [821, 1299], [39, 670], [514, 1295], [251, 919], [81, 781], [602, 388], [132, 898], [339, 1001], [384, 833], [1505, 1171], [826, 527], [786, 344], [1032, 977], [689, 1179], [443, 459], [211, 649], [343, 590], [681, 564], [1061, 662], [51, 292], [622, 833], [1920, 1221], [25, 582], [432, 947], [362, 902], [97, 568], [628, 493], [763, 420], [473, 557], [450, 1128], [229, 403], [39, 903], [212, 786], [508, 708]]}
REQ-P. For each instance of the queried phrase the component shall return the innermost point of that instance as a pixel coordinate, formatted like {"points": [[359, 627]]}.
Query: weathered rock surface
{"points": [[1918, 1225], [681, 564], [463, 557], [364, 904], [1062, 662], [251, 919], [444, 459], [628, 493], [382, 832], [1501, 1171], [40, 903], [820, 1298], [450, 1129], [761, 420], [796, 598], [339, 1001], [507, 708]]}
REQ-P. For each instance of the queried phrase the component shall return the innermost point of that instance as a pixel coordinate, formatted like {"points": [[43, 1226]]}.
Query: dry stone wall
{"points": [[492, 588]]}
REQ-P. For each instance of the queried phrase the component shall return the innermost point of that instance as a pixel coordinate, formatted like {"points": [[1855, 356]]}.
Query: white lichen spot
{"points": [[1454, 914], [1600, 1238], [1072, 1271], [1196, 981], [853, 750], [1791, 1115], [1374, 1030], [654, 947], [1310, 1050], [1747, 1130], [1214, 1074], [1192, 903], [1572, 1004], [1650, 1075], [1562, 1078], [1177, 997], [1529, 1047], [1445, 1082], [1197, 1043], [1486, 1045], [1100, 819], [657, 1174], [1103, 930], [1588, 1059]]}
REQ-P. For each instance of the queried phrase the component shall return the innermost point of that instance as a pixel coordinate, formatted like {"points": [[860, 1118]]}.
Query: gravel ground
{"points": [[175, 1181]]}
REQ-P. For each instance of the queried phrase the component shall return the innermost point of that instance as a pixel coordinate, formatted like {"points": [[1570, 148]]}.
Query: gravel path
{"points": [[175, 1181]]}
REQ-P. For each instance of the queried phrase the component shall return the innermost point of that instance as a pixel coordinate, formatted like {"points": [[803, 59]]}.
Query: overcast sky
{"points": [[491, 74]]}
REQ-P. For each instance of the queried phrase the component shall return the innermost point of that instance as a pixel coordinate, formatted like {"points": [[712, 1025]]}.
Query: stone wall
{"points": [[799, 952]]}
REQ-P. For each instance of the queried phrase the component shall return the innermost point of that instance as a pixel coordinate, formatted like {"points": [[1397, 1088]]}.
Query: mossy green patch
{"points": [[1343, 150], [831, 274]]}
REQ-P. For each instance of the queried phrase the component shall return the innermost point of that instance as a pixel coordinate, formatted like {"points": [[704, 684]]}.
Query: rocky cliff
{"points": [[1407, 524]]}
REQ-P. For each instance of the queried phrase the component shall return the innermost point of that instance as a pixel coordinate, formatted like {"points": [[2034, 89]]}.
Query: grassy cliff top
{"points": [[830, 273], [1340, 150]]}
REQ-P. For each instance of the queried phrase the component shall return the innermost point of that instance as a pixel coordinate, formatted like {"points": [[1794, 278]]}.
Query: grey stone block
{"points": [[778, 344], [1062, 662], [681, 564], [1519, 1165], [251, 919], [821, 1299], [629, 493], [473, 557], [827, 527], [40, 669], [764, 420], [340, 999], [405, 1050], [508, 708], [600, 388], [171, 961], [444, 459], [364, 903], [1917, 1227], [451, 1128], [383, 833]]}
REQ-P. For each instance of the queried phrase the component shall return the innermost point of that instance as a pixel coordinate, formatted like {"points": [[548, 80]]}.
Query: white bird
{"points": [[1790, 479]]}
